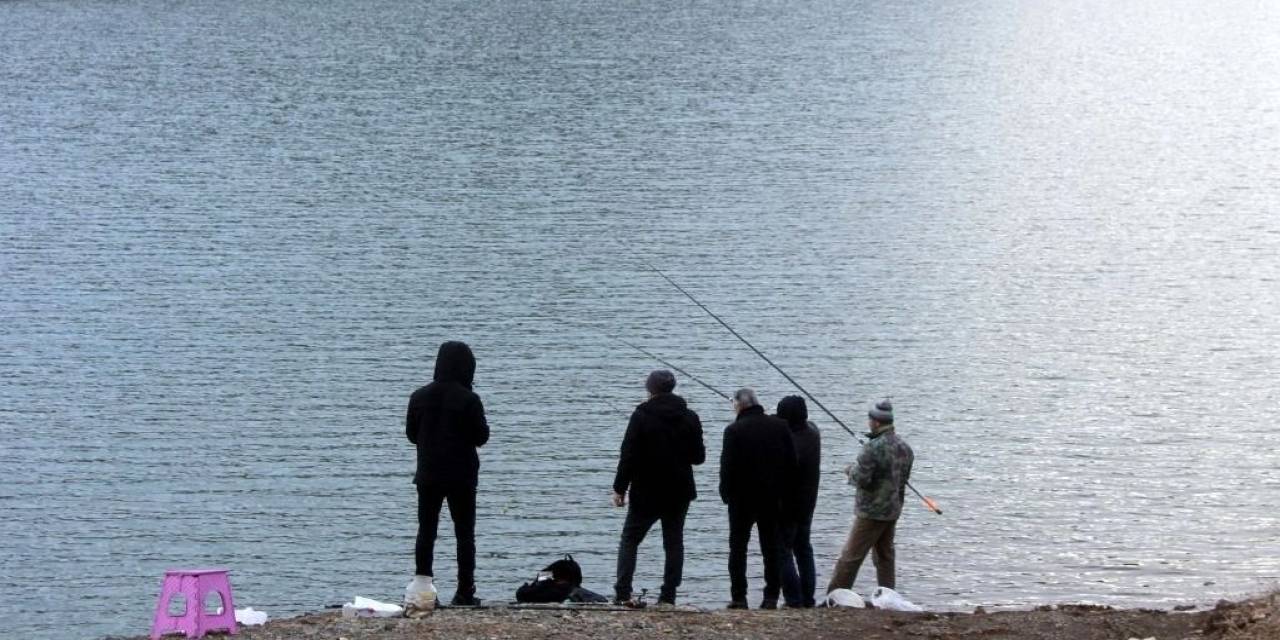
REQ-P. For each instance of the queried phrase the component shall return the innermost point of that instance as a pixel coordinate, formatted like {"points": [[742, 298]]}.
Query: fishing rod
{"points": [[654, 357], [929, 503]]}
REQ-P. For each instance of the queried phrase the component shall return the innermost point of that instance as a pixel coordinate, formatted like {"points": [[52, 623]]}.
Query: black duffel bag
{"points": [[555, 583], [543, 590]]}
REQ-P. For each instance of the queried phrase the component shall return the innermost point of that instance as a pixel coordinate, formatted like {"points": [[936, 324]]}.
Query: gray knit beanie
{"points": [[882, 412]]}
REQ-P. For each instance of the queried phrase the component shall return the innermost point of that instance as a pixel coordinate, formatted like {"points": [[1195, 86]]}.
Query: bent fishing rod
{"points": [[929, 503]]}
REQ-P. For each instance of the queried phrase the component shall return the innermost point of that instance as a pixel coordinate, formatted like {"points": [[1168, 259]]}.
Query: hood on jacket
{"points": [[455, 363], [793, 410], [666, 405]]}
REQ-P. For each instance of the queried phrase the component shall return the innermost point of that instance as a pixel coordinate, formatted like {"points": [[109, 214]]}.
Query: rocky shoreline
{"points": [[1253, 619]]}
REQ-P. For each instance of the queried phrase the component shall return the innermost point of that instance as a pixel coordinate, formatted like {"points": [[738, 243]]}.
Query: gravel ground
{"points": [[1256, 619]]}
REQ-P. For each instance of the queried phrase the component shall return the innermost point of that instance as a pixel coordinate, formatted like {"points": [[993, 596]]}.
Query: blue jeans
{"points": [[797, 586]]}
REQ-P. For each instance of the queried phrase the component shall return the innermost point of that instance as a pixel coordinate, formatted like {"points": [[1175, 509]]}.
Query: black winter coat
{"points": [[446, 421], [662, 444], [808, 441], [758, 460]]}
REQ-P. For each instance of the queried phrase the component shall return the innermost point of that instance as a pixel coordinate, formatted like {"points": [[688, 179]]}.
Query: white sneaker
{"points": [[419, 597]]}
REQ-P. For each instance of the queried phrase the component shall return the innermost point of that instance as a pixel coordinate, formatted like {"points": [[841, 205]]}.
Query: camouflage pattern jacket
{"points": [[881, 475]]}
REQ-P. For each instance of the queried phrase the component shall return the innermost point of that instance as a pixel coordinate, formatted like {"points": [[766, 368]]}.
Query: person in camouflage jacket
{"points": [[880, 475]]}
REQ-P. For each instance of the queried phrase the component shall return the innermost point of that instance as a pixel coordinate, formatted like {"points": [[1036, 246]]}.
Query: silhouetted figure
{"points": [[662, 444], [757, 471], [446, 421], [798, 571]]}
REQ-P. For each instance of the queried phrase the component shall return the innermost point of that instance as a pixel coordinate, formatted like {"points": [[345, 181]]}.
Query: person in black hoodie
{"points": [[446, 421], [662, 444], [757, 472], [798, 586]]}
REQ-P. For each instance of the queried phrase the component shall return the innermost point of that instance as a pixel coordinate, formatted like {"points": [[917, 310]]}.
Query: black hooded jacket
{"points": [[446, 421], [663, 442], [758, 460], [808, 442]]}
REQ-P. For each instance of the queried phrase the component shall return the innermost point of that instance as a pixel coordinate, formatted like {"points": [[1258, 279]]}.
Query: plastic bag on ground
{"points": [[369, 608], [250, 617], [886, 598], [420, 597], [845, 598]]}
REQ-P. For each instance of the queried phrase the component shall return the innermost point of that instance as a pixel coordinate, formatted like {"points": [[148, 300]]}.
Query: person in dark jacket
{"points": [[446, 421], [757, 471], [662, 444], [798, 571]]}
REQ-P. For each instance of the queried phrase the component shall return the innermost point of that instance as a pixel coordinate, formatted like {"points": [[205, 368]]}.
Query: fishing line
{"points": [[929, 503], [650, 355]]}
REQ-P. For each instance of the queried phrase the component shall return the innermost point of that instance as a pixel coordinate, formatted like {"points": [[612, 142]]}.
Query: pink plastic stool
{"points": [[194, 585]]}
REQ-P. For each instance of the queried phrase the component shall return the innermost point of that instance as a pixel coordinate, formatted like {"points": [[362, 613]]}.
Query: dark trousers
{"points": [[797, 571], [634, 529], [462, 509], [765, 517], [867, 535]]}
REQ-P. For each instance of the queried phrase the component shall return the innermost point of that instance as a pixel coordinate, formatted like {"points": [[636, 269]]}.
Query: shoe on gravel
{"points": [[630, 603], [465, 600]]}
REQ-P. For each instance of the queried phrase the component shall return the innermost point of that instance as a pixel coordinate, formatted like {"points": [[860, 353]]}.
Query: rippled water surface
{"points": [[233, 233]]}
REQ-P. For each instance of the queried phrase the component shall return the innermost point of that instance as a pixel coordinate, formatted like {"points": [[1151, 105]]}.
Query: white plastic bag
{"points": [[886, 598], [250, 617], [845, 598], [420, 597], [368, 608], [420, 593]]}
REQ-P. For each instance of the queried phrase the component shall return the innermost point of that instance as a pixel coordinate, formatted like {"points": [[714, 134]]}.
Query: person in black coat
{"points": [[446, 421], [798, 571], [757, 473], [662, 444]]}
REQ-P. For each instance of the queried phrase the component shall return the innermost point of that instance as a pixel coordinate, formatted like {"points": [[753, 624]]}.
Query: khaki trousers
{"points": [[867, 535]]}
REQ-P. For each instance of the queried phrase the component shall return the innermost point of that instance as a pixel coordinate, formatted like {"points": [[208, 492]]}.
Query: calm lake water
{"points": [[233, 233]]}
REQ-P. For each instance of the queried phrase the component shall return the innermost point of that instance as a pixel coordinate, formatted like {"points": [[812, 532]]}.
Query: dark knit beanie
{"points": [[660, 381]]}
